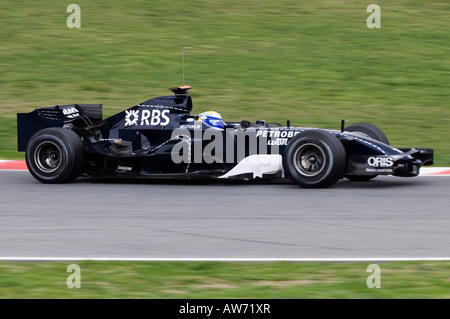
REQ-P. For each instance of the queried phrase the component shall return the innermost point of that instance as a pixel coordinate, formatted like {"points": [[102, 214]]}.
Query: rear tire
{"points": [[314, 159], [373, 132], [55, 155]]}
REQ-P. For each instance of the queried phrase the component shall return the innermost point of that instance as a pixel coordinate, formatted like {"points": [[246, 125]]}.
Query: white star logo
{"points": [[131, 117]]}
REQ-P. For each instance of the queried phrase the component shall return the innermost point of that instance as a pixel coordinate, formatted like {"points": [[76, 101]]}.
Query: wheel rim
{"points": [[48, 157], [309, 159]]}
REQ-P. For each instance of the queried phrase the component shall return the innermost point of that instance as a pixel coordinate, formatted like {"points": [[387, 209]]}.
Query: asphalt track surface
{"points": [[388, 217]]}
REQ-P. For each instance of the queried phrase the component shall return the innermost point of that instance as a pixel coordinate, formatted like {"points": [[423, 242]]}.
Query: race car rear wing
{"points": [[30, 123]]}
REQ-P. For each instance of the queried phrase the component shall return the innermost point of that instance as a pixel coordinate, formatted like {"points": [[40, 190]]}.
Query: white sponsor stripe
{"points": [[257, 165]]}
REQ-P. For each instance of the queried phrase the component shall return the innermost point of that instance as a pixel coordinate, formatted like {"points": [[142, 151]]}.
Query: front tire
{"points": [[55, 155], [314, 159], [370, 130]]}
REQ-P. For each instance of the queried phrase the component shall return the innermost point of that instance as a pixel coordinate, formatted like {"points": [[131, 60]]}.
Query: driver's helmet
{"points": [[212, 119]]}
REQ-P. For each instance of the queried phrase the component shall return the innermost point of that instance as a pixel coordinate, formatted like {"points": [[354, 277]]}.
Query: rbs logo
{"points": [[146, 117], [380, 161]]}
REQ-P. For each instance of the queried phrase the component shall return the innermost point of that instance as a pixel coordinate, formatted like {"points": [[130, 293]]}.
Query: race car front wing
{"points": [[406, 163]]}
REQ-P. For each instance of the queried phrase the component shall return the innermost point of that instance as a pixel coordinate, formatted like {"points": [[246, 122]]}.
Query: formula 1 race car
{"points": [[160, 138]]}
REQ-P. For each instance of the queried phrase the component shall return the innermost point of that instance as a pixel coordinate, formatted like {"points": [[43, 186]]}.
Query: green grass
{"points": [[224, 280], [313, 62]]}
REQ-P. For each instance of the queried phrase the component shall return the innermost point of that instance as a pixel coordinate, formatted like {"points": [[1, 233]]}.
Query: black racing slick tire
{"points": [[370, 130], [55, 155], [373, 132], [314, 159]]}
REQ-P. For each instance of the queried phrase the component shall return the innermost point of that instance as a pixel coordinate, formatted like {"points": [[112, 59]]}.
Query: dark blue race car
{"points": [[160, 138]]}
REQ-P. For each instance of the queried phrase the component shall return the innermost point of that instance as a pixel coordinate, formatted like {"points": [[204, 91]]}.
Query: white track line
{"points": [[365, 259]]}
